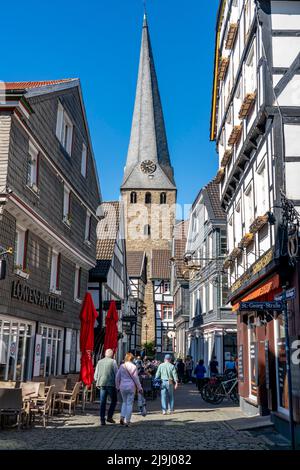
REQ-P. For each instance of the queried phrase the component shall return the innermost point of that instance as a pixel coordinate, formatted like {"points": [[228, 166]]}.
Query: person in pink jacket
{"points": [[127, 382]]}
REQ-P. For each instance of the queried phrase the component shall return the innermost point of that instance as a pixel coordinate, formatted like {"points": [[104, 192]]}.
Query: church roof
{"points": [[148, 140]]}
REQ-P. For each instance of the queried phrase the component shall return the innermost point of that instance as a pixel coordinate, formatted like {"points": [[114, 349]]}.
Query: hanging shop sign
{"points": [[290, 295], [255, 269], [28, 294]]}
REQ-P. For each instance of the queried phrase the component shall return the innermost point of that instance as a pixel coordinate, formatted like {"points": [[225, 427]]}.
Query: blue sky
{"points": [[99, 42]]}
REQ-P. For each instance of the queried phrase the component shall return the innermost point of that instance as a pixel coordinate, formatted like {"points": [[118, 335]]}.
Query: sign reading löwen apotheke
{"points": [[35, 296]]}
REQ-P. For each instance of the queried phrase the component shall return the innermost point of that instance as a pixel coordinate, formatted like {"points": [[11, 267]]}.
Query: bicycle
{"points": [[227, 388]]}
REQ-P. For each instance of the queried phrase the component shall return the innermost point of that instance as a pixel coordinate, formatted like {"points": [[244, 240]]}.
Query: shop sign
{"points": [[25, 293], [241, 363], [254, 269], [274, 305], [290, 294], [295, 365], [37, 355]]}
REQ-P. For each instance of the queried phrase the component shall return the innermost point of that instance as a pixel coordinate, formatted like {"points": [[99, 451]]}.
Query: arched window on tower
{"points": [[163, 198], [148, 198], [147, 230], [133, 197]]}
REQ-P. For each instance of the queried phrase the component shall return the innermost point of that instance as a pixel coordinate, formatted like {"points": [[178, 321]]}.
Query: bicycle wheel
{"points": [[207, 393], [234, 395], [218, 394]]}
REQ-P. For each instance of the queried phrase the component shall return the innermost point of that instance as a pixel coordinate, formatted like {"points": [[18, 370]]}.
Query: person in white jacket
{"points": [[127, 382]]}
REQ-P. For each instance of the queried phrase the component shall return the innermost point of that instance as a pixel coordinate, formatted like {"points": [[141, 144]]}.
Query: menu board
{"points": [[254, 367], [241, 363]]}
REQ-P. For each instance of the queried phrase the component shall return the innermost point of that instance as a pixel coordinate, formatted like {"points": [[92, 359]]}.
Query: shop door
{"points": [[253, 360]]}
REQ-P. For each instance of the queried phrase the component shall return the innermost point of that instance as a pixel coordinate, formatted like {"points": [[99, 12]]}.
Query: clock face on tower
{"points": [[148, 167]]}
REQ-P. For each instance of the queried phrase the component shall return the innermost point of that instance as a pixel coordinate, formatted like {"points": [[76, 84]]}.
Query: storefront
{"points": [[16, 348]]}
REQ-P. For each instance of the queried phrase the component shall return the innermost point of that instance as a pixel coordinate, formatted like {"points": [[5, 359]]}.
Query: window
{"points": [[55, 272], [87, 233], [167, 343], [32, 167], [167, 312], [67, 206], [238, 223], [204, 253], [133, 197], [16, 343], [77, 283], [64, 129], [247, 18], [148, 198], [223, 241], [166, 287], [210, 246], [230, 234], [163, 198], [250, 72], [211, 297], [21, 242], [51, 350], [248, 203], [204, 299], [147, 230], [261, 189], [83, 160]]}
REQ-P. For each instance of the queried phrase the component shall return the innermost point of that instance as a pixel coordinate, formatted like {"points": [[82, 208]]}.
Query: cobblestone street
{"points": [[194, 425]]}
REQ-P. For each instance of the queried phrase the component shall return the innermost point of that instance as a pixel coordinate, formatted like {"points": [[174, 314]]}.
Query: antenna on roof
{"points": [[145, 8]]}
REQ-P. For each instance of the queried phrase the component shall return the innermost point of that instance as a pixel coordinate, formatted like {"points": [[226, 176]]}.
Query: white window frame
{"points": [[249, 215], [63, 124], [32, 173], [84, 160], [87, 233], [66, 206], [261, 188], [19, 247], [76, 281], [53, 273], [210, 296]]}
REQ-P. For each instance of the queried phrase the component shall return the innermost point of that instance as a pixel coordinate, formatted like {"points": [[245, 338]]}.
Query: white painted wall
{"points": [[285, 50], [285, 14]]}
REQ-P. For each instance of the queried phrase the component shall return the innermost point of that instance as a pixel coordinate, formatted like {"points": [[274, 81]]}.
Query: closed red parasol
{"points": [[88, 316], [111, 332]]}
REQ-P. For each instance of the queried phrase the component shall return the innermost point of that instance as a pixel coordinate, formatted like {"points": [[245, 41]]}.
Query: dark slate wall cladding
{"points": [[39, 261], [49, 203], [43, 124]]}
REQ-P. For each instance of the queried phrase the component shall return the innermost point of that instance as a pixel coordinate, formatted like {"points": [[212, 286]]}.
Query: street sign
{"points": [[290, 294], [274, 305]]}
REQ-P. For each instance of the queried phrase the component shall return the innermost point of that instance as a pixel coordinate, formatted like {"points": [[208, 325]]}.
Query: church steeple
{"points": [[148, 161]]}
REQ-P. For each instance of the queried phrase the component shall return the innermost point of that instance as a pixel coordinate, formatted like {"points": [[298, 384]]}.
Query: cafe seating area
{"points": [[24, 404]]}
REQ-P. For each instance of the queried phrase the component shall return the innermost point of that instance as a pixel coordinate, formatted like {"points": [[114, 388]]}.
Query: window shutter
{"points": [[59, 121], [58, 271], [25, 250]]}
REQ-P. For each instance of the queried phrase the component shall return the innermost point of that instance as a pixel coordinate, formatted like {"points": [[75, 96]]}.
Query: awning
{"points": [[266, 288]]}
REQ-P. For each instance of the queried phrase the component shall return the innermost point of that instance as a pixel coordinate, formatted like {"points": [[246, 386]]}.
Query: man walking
{"points": [[105, 377], [168, 375]]}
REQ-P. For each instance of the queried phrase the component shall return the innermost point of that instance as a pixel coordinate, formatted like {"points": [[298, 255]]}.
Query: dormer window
{"points": [[64, 129], [133, 197], [163, 198], [148, 198]]}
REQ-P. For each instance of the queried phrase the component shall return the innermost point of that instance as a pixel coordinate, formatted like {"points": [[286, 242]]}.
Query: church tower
{"points": [[148, 190]]}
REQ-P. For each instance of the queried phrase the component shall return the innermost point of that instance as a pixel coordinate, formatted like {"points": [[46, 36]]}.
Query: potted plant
{"points": [[21, 271], [258, 223], [247, 239]]}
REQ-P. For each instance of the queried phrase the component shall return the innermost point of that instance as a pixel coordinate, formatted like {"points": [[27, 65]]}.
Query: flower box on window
{"points": [[220, 175], [55, 291], [246, 240], [236, 252], [67, 220], [235, 135], [258, 223], [20, 271], [224, 63], [228, 262], [226, 157], [231, 35], [247, 105]]}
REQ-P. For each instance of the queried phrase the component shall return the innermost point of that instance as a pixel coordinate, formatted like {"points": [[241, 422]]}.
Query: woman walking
{"points": [[127, 382]]}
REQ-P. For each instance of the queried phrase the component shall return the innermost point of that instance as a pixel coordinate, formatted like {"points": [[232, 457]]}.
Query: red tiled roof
{"points": [[135, 263], [161, 266], [180, 235], [28, 85]]}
